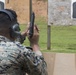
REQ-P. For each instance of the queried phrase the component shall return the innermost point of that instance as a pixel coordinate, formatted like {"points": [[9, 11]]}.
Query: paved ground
{"points": [[61, 63]]}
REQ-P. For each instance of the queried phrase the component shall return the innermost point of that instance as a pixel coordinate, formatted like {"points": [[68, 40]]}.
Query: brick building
{"points": [[22, 9]]}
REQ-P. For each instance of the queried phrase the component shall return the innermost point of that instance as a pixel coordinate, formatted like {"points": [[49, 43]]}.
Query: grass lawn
{"points": [[63, 38]]}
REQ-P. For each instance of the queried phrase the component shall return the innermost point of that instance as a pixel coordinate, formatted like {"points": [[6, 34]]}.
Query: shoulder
{"points": [[9, 45], [20, 46]]}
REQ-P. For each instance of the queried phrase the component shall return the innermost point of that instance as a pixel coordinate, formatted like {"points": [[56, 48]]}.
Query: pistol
{"points": [[31, 28]]}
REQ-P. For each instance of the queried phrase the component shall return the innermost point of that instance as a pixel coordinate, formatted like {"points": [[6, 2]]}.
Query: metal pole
{"points": [[30, 9], [7, 1], [48, 37], [48, 30]]}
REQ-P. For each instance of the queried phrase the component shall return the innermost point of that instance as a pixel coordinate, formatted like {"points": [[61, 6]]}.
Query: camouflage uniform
{"points": [[16, 59]]}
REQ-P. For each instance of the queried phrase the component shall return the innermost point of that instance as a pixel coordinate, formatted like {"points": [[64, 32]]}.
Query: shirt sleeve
{"points": [[36, 64]]}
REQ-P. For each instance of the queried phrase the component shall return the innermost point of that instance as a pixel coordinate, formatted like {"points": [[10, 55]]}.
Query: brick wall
{"points": [[22, 9]]}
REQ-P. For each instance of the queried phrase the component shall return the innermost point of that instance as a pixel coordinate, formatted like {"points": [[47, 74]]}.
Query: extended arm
{"points": [[35, 59]]}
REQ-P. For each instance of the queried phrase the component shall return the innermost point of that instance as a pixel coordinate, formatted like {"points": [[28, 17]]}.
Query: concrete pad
{"points": [[60, 63], [50, 59], [65, 64]]}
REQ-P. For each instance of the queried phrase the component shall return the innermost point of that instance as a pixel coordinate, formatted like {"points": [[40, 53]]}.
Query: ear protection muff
{"points": [[10, 15], [14, 29]]}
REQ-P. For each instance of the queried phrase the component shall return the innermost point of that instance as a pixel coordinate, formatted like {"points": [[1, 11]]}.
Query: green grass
{"points": [[63, 38]]}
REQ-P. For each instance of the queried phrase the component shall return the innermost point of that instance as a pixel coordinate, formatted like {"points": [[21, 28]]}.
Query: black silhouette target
{"points": [[74, 10]]}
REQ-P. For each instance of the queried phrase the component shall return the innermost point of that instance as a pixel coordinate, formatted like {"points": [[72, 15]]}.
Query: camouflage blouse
{"points": [[16, 59]]}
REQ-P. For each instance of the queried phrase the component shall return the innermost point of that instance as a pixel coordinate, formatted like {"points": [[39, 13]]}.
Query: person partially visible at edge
{"points": [[16, 59]]}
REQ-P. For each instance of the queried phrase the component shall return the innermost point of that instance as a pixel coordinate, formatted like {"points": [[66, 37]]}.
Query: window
{"points": [[1, 5], [73, 9]]}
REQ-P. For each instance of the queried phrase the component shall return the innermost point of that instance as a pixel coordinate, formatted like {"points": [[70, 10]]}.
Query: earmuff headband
{"points": [[7, 13]]}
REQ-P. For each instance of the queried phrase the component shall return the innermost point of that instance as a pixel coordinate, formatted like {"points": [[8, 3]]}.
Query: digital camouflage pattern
{"points": [[16, 59]]}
